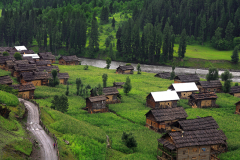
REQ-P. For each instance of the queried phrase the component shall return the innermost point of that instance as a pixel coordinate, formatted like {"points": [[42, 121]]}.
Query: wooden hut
{"points": [[37, 78], [47, 56], [111, 94], [184, 90], [6, 80], [125, 70], [164, 75], [96, 104], [30, 60], [118, 85], [19, 68], [237, 108], [25, 90], [164, 99], [203, 100], [210, 86], [63, 77], [235, 91], [186, 78], [3, 60], [47, 68], [44, 63], [68, 60], [10, 64], [198, 139], [162, 120]]}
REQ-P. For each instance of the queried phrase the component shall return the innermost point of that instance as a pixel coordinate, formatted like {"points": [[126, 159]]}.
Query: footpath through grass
{"points": [[87, 132]]}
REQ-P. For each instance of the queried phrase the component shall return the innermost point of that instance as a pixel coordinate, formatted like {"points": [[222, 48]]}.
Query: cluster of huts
{"points": [[33, 70]]}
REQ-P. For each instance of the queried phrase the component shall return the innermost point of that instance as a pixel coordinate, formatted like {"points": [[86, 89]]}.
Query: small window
{"points": [[168, 103]]}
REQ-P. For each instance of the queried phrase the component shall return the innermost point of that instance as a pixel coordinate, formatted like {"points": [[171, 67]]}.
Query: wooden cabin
{"points": [[186, 78], [44, 63], [3, 60], [125, 70], [96, 104], [18, 69], [47, 68], [25, 90], [47, 56], [111, 94], [210, 86], [184, 90], [63, 77], [6, 80], [118, 85], [30, 60], [37, 78], [164, 75], [235, 91], [35, 57], [68, 60], [164, 99], [203, 100], [162, 120], [198, 139], [10, 64], [237, 108]]}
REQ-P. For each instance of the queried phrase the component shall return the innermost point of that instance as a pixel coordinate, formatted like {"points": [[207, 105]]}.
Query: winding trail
{"points": [[45, 142], [154, 68]]}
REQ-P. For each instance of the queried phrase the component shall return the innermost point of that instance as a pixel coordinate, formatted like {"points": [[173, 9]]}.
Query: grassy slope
{"points": [[8, 99], [131, 113]]}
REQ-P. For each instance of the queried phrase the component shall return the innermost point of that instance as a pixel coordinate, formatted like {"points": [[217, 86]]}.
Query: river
{"points": [[154, 68]]}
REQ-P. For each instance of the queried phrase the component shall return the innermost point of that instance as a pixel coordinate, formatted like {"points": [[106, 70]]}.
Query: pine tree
{"points": [[104, 78], [127, 86], [139, 68], [67, 92], [94, 37], [226, 77], [166, 42], [235, 56], [108, 61], [113, 22], [182, 44], [229, 31]]}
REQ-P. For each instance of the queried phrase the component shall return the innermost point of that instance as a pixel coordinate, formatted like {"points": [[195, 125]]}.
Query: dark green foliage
{"points": [[172, 73], [67, 92], [95, 91], [85, 67], [78, 83], [60, 103], [128, 64], [5, 53], [8, 89], [226, 77], [100, 90], [139, 68], [212, 74], [236, 84], [54, 81], [104, 15], [18, 56], [113, 22], [182, 44], [104, 78], [108, 61], [129, 140], [235, 56], [127, 86], [94, 37]]}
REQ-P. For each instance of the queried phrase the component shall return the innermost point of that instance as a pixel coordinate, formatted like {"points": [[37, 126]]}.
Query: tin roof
{"points": [[184, 87], [20, 48], [165, 96], [34, 56]]}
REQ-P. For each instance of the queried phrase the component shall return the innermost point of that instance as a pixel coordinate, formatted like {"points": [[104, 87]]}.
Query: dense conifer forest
{"points": [[148, 36]]}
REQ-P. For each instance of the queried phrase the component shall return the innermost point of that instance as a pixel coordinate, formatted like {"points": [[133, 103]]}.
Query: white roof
{"points": [[20, 48], [165, 96], [34, 56], [184, 87]]}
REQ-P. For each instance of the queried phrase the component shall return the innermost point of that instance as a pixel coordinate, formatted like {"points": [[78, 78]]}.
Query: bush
{"points": [[8, 89], [85, 67], [128, 64], [18, 56], [8, 99], [5, 53], [60, 103], [129, 140], [127, 86], [236, 84]]}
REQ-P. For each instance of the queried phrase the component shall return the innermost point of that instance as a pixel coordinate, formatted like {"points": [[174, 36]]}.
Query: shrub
{"points": [[18, 56], [139, 68], [212, 74], [104, 78], [129, 140], [60, 103], [108, 61], [236, 84], [54, 81], [5, 53], [85, 67], [67, 92], [127, 86], [128, 64]]}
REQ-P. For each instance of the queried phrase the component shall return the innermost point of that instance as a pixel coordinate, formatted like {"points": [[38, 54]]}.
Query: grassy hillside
{"points": [[128, 116], [8, 99]]}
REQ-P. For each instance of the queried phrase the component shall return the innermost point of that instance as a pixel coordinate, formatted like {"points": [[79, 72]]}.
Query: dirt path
{"points": [[154, 68], [45, 142]]}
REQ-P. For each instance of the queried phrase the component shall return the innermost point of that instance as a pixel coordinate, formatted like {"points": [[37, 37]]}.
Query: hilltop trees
{"points": [[226, 77], [212, 74], [182, 44], [94, 37], [127, 86], [235, 56]]}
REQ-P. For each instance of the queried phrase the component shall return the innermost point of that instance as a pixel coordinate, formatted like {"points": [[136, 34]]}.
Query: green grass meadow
{"points": [[87, 132]]}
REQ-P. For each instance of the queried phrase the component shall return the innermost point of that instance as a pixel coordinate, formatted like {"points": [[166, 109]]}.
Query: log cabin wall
{"points": [[236, 95], [112, 99], [119, 71], [128, 72], [61, 81], [25, 94], [62, 62], [150, 101], [2, 66], [37, 82], [184, 95], [238, 109], [194, 153]]}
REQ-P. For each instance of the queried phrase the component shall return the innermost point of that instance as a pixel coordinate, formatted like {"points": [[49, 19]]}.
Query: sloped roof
{"points": [[25, 67], [31, 76], [204, 95], [47, 68], [2, 49], [30, 59], [118, 83], [165, 96], [235, 89], [184, 87], [5, 80], [24, 87], [20, 48], [110, 91], [195, 138], [210, 84], [198, 124], [126, 67], [34, 56], [47, 56], [12, 63], [167, 144], [43, 63], [97, 98], [164, 75], [3, 59], [28, 51], [69, 58], [169, 114], [188, 78], [60, 75]]}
